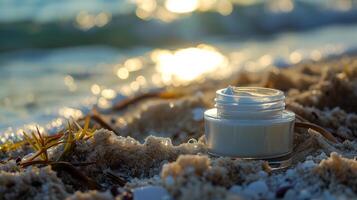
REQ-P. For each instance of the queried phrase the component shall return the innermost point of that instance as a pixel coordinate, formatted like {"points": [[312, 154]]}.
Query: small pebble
{"points": [[169, 181], [236, 189], [151, 193], [262, 174], [290, 194], [328, 196], [308, 164], [290, 172], [259, 187], [304, 194]]}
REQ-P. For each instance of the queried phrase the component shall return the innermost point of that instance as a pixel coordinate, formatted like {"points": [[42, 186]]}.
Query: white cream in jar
{"points": [[249, 122]]}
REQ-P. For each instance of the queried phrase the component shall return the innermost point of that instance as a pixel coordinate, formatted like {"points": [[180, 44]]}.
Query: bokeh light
{"points": [[188, 64], [181, 6]]}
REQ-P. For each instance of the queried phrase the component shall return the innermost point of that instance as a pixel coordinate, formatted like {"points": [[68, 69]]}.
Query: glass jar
{"points": [[250, 122]]}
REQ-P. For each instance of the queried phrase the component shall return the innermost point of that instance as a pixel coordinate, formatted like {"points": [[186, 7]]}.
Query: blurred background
{"points": [[59, 58]]}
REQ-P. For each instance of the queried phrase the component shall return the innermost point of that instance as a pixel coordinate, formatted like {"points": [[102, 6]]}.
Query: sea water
{"points": [[46, 86]]}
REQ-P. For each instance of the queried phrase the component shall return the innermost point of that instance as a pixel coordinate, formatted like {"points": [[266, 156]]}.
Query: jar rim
{"points": [[249, 94], [249, 102]]}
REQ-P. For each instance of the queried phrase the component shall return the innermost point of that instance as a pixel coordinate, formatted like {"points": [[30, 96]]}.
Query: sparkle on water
{"points": [[188, 64], [181, 6], [169, 10]]}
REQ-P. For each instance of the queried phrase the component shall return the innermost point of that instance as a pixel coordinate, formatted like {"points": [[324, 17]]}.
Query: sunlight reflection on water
{"points": [[102, 77], [170, 10], [185, 65]]}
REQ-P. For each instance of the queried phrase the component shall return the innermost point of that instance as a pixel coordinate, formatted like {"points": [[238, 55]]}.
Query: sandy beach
{"points": [[116, 156], [178, 99]]}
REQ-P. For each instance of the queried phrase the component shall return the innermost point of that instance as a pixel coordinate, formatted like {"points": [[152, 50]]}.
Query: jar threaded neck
{"points": [[249, 103]]}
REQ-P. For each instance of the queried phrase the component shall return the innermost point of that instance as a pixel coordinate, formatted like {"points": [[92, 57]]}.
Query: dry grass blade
{"points": [[29, 140], [300, 118], [76, 174], [317, 128], [83, 164], [41, 151], [116, 179], [126, 102], [36, 142], [97, 117], [34, 162], [82, 133], [37, 145], [42, 144], [53, 138], [41, 162], [40, 138], [68, 143], [171, 94], [162, 94], [10, 146], [73, 137], [69, 169], [102, 123], [304, 123]]}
